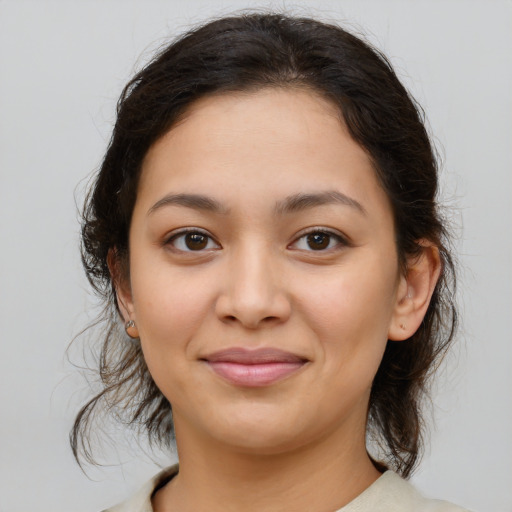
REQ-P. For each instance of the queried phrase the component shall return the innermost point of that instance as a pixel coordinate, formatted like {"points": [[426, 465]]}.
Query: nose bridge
{"points": [[254, 292]]}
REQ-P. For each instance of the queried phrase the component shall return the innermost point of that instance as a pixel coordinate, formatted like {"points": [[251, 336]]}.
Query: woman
{"points": [[265, 226]]}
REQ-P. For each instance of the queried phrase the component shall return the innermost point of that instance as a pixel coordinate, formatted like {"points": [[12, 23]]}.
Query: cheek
{"points": [[350, 315], [169, 310]]}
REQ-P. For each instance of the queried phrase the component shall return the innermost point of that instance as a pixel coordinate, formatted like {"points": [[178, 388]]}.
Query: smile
{"points": [[254, 368]]}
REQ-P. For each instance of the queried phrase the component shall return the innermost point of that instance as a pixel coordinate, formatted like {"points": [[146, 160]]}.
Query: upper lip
{"points": [[253, 356]]}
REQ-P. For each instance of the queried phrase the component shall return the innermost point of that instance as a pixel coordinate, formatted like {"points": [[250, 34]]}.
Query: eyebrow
{"points": [[195, 201], [304, 201], [291, 204]]}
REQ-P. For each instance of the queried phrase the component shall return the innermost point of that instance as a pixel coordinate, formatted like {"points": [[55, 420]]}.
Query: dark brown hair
{"points": [[250, 52]]}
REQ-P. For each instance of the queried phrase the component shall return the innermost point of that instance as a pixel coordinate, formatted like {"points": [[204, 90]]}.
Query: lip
{"points": [[254, 368]]}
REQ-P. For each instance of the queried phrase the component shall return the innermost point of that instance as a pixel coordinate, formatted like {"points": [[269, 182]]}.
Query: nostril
{"points": [[251, 308]]}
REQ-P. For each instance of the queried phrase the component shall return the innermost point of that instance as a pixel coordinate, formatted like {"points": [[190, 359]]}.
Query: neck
{"points": [[323, 477]]}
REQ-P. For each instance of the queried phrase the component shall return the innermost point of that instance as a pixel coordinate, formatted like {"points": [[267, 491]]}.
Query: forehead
{"points": [[281, 116], [271, 142]]}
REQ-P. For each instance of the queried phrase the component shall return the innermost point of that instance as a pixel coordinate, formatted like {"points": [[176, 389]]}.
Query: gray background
{"points": [[62, 66]]}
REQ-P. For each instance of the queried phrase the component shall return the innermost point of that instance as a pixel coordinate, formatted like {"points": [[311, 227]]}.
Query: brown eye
{"points": [[318, 241], [196, 241], [192, 241]]}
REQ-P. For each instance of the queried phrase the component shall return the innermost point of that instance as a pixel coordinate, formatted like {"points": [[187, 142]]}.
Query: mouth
{"points": [[254, 368]]}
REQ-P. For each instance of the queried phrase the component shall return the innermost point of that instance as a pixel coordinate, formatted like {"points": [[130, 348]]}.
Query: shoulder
{"points": [[141, 501], [391, 493]]}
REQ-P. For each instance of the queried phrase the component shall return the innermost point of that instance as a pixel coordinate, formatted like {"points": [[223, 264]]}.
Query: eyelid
{"points": [[173, 235], [344, 241]]}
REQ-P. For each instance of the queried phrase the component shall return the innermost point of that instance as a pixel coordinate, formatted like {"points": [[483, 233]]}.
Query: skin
{"points": [[255, 280]]}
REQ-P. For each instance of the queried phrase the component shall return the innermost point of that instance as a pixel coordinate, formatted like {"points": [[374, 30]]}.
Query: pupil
{"points": [[196, 241], [318, 241]]}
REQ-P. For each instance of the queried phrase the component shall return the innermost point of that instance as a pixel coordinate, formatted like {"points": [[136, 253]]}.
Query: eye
{"points": [[319, 240], [192, 240]]}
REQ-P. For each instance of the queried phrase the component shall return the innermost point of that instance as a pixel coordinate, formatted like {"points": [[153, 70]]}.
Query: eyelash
{"points": [[341, 241], [182, 233]]}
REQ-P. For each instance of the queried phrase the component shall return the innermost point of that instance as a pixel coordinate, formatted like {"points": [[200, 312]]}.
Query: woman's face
{"points": [[263, 271]]}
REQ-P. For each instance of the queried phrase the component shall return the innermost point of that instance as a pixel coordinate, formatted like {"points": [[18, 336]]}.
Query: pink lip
{"points": [[254, 368]]}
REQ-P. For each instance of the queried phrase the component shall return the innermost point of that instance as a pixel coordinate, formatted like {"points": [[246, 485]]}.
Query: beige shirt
{"points": [[389, 493]]}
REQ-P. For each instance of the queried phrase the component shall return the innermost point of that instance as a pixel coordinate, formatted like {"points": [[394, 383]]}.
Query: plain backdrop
{"points": [[62, 67]]}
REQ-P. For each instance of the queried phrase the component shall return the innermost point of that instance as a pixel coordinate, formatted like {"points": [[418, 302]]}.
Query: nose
{"points": [[254, 292]]}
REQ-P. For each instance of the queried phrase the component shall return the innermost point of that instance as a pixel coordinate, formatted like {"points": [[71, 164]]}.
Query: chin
{"points": [[264, 432]]}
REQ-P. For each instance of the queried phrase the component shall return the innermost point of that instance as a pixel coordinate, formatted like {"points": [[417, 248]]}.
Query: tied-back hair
{"points": [[247, 53]]}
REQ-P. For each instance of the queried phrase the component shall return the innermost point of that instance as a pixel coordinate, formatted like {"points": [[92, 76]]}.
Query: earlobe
{"points": [[131, 329], [414, 292]]}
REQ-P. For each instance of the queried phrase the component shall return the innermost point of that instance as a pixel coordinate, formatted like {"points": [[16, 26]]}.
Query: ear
{"points": [[414, 292], [119, 276]]}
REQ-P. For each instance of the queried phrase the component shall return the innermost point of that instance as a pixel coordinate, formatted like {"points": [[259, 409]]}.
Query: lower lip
{"points": [[254, 375]]}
